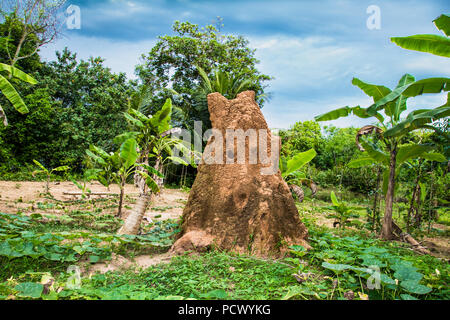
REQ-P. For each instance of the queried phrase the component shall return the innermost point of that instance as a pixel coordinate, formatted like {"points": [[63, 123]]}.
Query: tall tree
{"points": [[172, 65], [30, 24], [76, 104]]}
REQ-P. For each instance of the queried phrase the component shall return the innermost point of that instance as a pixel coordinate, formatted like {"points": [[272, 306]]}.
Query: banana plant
{"points": [[88, 175], [48, 173], [10, 92], [390, 131], [290, 171], [154, 135], [431, 43], [119, 166], [343, 214]]}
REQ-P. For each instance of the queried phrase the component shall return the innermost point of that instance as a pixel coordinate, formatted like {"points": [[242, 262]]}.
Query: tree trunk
{"points": [[122, 193], [133, 222], [375, 200], [159, 167], [47, 185], [418, 216], [413, 197], [386, 231]]}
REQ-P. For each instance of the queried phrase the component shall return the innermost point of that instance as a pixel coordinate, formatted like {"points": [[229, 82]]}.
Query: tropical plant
{"points": [[343, 214], [290, 171], [48, 173], [225, 83], [154, 135], [10, 92], [119, 166], [393, 104], [431, 43], [88, 175], [418, 195]]}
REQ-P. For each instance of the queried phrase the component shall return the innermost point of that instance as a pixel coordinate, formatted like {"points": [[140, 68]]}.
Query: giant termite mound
{"points": [[239, 207]]}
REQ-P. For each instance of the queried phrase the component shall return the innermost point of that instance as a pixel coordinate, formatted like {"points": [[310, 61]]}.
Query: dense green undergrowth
{"points": [[342, 264]]}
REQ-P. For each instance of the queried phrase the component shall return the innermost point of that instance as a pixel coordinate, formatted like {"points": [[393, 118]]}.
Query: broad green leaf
{"points": [[423, 192], [416, 120], [405, 274], [443, 24], [431, 43], [151, 170], [100, 151], [178, 160], [375, 153], [334, 199], [161, 119], [128, 152], [432, 156], [375, 91], [150, 182], [386, 279], [40, 165], [29, 290], [411, 151], [299, 160], [405, 296], [136, 122], [142, 117], [216, 294], [430, 85], [335, 114], [16, 73], [336, 267], [121, 138], [94, 259], [399, 105], [362, 113], [11, 94], [361, 162], [414, 286], [62, 168], [96, 158]]}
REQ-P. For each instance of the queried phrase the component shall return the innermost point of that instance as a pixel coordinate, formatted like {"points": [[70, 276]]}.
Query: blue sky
{"points": [[312, 48]]}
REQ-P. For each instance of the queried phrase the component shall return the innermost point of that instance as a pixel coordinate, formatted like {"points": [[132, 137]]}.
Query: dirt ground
{"points": [[26, 196]]}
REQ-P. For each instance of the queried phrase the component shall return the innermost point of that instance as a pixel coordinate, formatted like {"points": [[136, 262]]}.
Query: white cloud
{"points": [[313, 75], [120, 56]]}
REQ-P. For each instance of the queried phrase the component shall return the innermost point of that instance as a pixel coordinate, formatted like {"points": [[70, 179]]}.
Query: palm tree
{"points": [[227, 84]]}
